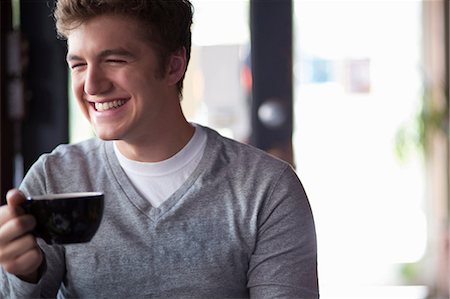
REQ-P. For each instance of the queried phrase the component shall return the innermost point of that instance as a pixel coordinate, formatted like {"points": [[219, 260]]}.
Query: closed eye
{"points": [[115, 61], [77, 65]]}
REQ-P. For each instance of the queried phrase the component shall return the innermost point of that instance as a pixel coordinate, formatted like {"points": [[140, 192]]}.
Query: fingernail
{"points": [[10, 193]]}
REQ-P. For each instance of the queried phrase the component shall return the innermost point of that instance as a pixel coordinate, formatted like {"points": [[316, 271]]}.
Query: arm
{"points": [[284, 262], [48, 273], [47, 285], [20, 256]]}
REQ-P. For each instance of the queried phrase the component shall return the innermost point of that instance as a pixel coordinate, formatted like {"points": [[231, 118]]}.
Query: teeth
{"points": [[109, 105]]}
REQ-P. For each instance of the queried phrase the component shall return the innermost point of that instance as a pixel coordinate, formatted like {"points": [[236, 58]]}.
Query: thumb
{"points": [[15, 197]]}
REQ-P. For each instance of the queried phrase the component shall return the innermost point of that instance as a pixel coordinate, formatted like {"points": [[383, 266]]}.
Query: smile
{"points": [[109, 105]]}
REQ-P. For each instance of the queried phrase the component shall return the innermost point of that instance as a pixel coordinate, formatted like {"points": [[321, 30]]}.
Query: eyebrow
{"points": [[105, 53]]}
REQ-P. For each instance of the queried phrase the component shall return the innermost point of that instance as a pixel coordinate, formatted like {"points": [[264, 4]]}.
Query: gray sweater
{"points": [[240, 226]]}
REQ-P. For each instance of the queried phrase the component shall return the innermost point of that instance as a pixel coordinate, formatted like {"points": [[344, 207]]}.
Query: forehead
{"points": [[108, 30]]}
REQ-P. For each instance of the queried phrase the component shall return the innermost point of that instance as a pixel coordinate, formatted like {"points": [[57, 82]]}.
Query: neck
{"points": [[159, 143]]}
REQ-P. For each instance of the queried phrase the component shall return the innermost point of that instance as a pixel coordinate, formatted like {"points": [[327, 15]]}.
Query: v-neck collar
{"points": [[142, 204]]}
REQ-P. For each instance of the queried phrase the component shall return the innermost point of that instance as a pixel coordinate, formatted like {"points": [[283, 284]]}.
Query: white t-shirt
{"points": [[159, 180]]}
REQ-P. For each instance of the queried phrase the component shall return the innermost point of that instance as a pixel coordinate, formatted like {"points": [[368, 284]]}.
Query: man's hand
{"points": [[19, 252]]}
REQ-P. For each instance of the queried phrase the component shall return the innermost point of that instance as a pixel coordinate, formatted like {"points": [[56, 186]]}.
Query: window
{"points": [[358, 86]]}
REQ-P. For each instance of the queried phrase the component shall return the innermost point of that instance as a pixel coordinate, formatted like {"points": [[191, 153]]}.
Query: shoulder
{"points": [[244, 165], [67, 168], [243, 155], [70, 157], [82, 150]]}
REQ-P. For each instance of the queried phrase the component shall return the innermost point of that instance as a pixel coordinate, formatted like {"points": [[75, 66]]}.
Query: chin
{"points": [[106, 136]]}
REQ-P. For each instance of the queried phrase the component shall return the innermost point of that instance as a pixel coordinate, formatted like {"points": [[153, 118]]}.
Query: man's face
{"points": [[116, 78]]}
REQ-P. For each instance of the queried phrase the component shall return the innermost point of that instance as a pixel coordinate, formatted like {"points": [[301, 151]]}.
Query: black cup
{"points": [[66, 218]]}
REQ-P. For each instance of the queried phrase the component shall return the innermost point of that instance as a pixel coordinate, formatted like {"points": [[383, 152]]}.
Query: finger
{"points": [[25, 264], [17, 248], [15, 197], [7, 213], [15, 228]]}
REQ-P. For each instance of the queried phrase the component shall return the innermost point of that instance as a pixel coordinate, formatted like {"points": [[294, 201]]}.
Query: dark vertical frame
{"points": [[46, 122], [271, 51], [6, 127]]}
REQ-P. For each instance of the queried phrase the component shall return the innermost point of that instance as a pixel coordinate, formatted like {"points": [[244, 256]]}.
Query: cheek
{"points": [[77, 86], [78, 92]]}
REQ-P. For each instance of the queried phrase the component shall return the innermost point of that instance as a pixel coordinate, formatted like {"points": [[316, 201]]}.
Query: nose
{"points": [[96, 82]]}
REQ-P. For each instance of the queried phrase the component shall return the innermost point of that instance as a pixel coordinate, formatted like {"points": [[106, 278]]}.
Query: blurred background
{"points": [[354, 94]]}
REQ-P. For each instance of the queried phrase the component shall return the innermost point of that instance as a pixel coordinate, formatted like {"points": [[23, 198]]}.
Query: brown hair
{"points": [[167, 22]]}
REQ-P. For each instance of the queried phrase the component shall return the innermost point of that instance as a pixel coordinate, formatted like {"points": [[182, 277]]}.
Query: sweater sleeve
{"points": [[52, 276], [14, 288], [284, 262]]}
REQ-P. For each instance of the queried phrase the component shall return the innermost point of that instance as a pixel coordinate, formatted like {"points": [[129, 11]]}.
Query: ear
{"points": [[177, 66]]}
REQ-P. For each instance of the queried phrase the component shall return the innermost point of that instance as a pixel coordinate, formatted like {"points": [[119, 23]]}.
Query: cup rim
{"points": [[64, 195]]}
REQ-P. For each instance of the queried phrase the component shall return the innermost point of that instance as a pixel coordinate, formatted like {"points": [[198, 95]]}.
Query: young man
{"points": [[188, 213]]}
